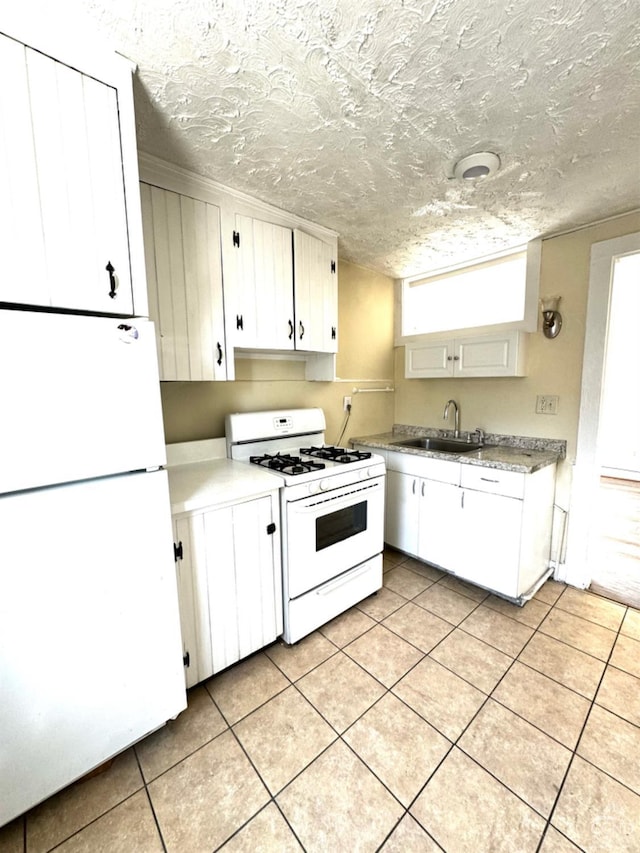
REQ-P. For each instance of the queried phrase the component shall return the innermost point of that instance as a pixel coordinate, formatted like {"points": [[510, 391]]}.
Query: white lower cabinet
{"points": [[229, 583], [415, 486], [401, 511], [485, 525]]}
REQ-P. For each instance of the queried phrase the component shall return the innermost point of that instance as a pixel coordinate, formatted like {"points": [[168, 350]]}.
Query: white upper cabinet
{"points": [[184, 276], [474, 356], [63, 215], [316, 294], [286, 289], [262, 309], [270, 278]]}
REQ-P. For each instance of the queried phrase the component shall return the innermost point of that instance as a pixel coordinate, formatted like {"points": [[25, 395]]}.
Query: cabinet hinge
{"points": [[333, 266], [236, 239], [239, 321], [177, 551], [186, 659], [333, 333], [271, 528]]}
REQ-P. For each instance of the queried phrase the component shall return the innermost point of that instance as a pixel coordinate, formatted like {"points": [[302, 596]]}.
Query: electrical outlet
{"points": [[547, 404], [346, 402]]}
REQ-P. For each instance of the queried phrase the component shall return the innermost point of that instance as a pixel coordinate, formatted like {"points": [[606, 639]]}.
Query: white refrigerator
{"points": [[90, 648]]}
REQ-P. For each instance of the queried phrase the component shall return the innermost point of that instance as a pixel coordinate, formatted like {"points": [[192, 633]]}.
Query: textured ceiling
{"points": [[352, 113]]}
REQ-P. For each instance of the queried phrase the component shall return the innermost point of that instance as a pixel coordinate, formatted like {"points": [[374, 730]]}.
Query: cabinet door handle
{"points": [[422, 489], [456, 358], [413, 488], [301, 330], [290, 329], [449, 358], [462, 501], [489, 480], [219, 359], [113, 281]]}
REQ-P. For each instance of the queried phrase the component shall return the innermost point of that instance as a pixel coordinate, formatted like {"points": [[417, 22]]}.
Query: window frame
{"points": [[529, 321]]}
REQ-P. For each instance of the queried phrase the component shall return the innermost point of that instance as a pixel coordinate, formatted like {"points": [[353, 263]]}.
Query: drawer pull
{"points": [[489, 480]]}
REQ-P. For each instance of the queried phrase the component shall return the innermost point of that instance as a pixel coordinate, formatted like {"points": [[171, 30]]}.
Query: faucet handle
{"points": [[480, 433]]}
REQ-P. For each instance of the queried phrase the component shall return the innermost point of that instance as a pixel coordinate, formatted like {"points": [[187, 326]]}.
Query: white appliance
{"points": [[332, 512], [90, 647]]}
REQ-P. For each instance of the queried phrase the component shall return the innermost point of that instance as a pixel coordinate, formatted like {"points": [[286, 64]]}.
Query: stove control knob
{"points": [[323, 485], [370, 472]]}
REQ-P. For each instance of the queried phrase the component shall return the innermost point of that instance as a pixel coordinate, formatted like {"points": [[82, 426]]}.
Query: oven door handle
{"points": [[317, 504]]}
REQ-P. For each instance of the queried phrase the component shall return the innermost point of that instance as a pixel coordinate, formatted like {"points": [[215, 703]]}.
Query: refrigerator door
{"points": [[90, 648], [80, 398]]}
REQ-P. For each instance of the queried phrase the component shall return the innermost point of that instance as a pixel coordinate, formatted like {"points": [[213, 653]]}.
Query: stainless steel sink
{"points": [[442, 445]]}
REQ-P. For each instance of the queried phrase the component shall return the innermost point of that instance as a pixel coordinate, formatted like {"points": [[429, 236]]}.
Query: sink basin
{"points": [[443, 445]]}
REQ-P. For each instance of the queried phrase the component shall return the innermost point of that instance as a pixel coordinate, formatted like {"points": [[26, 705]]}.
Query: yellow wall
{"points": [[507, 405], [196, 410]]}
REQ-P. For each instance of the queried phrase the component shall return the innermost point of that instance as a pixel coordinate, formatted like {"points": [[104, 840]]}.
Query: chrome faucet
{"points": [[456, 431]]}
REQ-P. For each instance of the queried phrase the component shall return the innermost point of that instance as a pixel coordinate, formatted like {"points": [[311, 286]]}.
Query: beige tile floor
{"points": [[433, 716]]}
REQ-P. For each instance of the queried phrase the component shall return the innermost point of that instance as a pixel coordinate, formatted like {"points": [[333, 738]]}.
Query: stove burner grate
{"points": [[284, 463], [335, 454]]}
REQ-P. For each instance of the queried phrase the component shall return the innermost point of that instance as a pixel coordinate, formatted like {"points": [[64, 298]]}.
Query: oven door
{"points": [[329, 533]]}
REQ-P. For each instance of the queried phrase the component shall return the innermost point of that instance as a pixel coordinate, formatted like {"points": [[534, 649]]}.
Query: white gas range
{"points": [[332, 512]]}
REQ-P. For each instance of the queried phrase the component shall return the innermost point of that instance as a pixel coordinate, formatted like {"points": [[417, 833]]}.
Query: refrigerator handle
{"points": [[113, 279], [128, 333]]}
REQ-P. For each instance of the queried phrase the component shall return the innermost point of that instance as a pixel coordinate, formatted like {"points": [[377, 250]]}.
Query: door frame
{"points": [[586, 471]]}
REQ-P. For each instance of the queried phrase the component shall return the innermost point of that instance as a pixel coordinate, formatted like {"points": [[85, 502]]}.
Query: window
{"points": [[497, 291]]}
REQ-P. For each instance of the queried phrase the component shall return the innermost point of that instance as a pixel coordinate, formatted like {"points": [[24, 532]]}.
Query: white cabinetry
{"points": [[230, 277], [485, 355], [414, 512], [285, 295], [63, 206], [488, 526], [401, 511], [229, 583], [506, 524], [261, 306], [316, 294], [184, 276]]}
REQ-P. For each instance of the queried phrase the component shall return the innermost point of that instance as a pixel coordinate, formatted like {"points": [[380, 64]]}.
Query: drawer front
{"points": [[494, 480], [429, 467]]}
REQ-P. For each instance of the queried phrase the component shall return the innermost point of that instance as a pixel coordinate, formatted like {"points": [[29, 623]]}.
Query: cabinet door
{"points": [[430, 360], [230, 584], [261, 308], [439, 524], [184, 275], [62, 208], [258, 581], [191, 610], [490, 355], [316, 294], [489, 541], [401, 511]]}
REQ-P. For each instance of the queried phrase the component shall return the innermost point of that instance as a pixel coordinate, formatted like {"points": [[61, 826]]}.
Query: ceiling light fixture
{"points": [[481, 165]]}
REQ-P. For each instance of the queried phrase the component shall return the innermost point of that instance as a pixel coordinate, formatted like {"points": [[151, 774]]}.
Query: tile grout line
{"points": [[455, 744], [389, 690], [574, 752]]}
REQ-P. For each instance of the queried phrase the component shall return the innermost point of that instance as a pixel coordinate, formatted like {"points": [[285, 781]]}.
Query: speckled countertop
{"points": [[507, 452]]}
